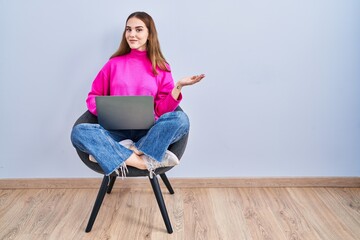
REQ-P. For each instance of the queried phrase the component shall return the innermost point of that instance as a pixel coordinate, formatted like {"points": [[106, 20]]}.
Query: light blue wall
{"points": [[281, 96]]}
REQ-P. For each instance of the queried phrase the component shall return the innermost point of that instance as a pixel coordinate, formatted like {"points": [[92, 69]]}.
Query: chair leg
{"points": [[167, 183], [111, 184], [159, 197], [98, 202]]}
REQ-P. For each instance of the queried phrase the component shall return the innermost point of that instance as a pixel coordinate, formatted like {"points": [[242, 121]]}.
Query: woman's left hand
{"points": [[190, 80], [185, 82]]}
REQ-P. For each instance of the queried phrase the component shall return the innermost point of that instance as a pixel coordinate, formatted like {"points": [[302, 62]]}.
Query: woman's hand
{"points": [[189, 80], [185, 82]]}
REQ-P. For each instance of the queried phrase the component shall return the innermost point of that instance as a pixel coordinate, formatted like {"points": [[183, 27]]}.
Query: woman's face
{"points": [[136, 34]]}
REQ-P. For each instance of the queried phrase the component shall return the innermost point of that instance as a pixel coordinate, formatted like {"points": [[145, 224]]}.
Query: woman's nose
{"points": [[132, 33]]}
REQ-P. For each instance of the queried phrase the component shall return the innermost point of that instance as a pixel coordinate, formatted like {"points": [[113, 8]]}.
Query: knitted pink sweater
{"points": [[131, 75]]}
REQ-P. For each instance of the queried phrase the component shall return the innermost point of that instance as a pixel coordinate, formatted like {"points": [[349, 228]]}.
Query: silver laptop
{"points": [[125, 112]]}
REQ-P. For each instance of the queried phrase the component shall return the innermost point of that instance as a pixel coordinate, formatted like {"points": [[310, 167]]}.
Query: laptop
{"points": [[125, 112]]}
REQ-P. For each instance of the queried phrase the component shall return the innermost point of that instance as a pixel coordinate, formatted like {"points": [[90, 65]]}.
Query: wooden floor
{"points": [[195, 213]]}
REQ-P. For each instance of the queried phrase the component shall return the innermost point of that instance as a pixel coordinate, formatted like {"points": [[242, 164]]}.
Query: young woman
{"points": [[137, 68]]}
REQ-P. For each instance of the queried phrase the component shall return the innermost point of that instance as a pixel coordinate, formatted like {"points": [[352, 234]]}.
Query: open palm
{"points": [[191, 80]]}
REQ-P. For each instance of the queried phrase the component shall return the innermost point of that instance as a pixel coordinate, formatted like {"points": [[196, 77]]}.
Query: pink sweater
{"points": [[131, 75]]}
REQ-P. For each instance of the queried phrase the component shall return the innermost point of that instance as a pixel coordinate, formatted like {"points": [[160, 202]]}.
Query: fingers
{"points": [[198, 77]]}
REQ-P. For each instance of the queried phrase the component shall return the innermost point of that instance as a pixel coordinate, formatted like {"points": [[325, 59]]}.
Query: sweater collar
{"points": [[138, 53]]}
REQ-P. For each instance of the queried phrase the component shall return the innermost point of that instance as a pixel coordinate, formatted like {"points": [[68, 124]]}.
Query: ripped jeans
{"points": [[104, 145]]}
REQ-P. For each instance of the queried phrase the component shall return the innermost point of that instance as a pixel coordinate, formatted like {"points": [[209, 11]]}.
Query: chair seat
{"points": [[177, 148]]}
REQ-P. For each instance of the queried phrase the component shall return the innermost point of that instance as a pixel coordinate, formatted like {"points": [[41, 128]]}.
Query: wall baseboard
{"points": [[94, 183]]}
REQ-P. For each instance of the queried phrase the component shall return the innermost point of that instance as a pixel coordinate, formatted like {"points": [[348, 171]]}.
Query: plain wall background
{"points": [[281, 96]]}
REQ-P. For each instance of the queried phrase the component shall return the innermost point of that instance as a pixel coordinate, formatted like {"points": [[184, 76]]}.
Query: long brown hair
{"points": [[152, 45]]}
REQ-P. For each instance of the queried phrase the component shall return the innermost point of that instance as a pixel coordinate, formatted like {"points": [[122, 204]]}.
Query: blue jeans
{"points": [[110, 155]]}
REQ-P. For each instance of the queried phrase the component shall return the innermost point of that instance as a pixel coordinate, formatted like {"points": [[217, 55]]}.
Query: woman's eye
{"points": [[138, 30]]}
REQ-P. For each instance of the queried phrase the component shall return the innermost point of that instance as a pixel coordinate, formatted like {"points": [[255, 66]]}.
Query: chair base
{"points": [[107, 186]]}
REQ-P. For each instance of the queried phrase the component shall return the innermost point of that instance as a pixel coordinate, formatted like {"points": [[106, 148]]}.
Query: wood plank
{"points": [[259, 219], [199, 216], [345, 206], [228, 211], [94, 183], [288, 214], [320, 216]]}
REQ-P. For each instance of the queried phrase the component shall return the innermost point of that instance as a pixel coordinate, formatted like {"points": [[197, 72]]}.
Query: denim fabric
{"points": [[104, 145]]}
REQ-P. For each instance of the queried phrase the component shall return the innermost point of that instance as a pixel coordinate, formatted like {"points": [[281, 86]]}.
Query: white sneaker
{"points": [[169, 160]]}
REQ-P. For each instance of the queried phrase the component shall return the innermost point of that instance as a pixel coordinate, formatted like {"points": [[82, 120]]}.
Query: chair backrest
{"points": [[177, 148]]}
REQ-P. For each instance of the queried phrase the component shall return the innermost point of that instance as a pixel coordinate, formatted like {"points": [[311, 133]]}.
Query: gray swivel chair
{"points": [[108, 182]]}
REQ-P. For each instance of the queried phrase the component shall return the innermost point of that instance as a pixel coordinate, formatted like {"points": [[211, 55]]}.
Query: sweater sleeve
{"points": [[164, 101], [100, 87]]}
